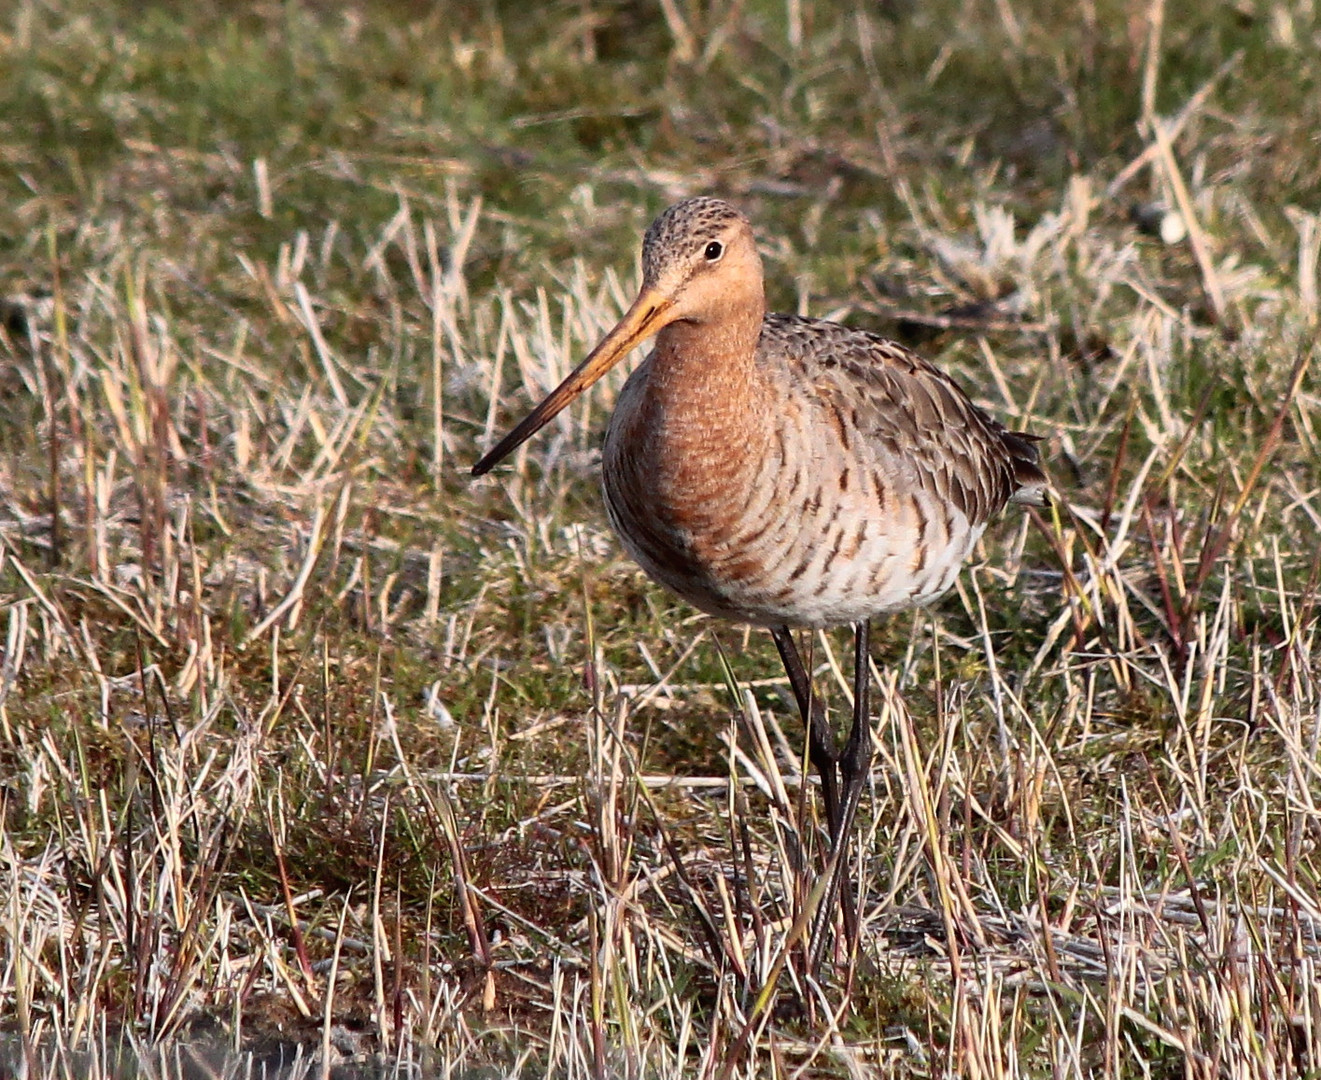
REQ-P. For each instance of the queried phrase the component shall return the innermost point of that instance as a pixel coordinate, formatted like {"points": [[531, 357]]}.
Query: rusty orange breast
{"points": [[682, 463]]}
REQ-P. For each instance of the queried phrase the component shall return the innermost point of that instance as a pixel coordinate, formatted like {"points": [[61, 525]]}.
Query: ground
{"points": [[306, 737]]}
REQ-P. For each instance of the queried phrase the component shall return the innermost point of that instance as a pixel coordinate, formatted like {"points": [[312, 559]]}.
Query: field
{"points": [[308, 739]]}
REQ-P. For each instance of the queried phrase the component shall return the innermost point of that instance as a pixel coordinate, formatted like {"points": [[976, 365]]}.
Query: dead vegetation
{"points": [[306, 739]]}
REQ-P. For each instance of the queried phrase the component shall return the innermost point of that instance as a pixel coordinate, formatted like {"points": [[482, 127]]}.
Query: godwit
{"points": [[784, 471]]}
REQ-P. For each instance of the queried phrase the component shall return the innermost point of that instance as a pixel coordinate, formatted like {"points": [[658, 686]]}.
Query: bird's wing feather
{"points": [[915, 419]]}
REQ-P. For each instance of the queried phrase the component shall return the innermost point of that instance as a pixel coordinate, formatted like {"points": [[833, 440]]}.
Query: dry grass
{"points": [[307, 740]]}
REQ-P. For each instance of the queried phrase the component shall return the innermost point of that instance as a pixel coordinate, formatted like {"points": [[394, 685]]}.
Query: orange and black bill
{"points": [[650, 312]]}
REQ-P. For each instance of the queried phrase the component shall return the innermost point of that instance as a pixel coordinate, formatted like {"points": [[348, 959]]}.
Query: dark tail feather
{"points": [[1031, 483]]}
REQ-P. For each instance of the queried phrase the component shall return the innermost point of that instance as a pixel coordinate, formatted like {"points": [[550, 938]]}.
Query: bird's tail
{"points": [[1032, 486]]}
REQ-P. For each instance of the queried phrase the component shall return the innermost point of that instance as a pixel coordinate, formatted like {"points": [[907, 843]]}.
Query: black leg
{"points": [[820, 739], [854, 768], [855, 761], [848, 769]]}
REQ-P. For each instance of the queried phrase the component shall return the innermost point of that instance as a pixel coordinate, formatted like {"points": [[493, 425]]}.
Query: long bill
{"points": [[651, 311]]}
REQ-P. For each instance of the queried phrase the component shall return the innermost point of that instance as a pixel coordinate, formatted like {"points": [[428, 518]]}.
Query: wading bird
{"points": [[787, 472]]}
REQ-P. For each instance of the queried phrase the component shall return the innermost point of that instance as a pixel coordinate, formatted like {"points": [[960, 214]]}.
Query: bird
{"points": [[787, 472]]}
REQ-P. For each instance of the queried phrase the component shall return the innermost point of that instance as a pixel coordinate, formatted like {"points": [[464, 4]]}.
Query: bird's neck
{"points": [[709, 365], [706, 389]]}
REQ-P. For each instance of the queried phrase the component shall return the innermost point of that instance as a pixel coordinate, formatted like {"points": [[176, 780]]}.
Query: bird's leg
{"points": [[855, 761], [820, 739], [854, 769], [852, 766]]}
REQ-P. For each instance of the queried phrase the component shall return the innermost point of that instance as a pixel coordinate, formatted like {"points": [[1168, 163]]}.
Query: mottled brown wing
{"points": [[915, 418]]}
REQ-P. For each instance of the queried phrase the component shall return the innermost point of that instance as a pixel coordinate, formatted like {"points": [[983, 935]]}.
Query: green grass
{"points": [[263, 271]]}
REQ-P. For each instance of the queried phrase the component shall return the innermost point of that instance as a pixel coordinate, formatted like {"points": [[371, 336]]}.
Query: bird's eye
{"points": [[714, 250]]}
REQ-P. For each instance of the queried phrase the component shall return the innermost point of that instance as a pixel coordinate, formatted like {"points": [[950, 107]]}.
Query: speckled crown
{"points": [[683, 230]]}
